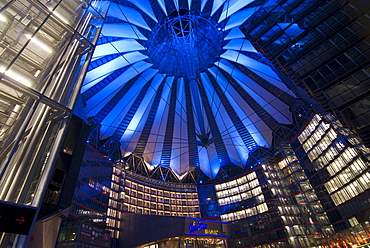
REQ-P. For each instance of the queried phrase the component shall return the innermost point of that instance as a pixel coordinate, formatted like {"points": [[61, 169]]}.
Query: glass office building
{"points": [[225, 110], [324, 47]]}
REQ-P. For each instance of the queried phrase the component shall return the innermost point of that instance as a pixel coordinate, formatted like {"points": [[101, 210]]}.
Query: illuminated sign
{"points": [[94, 235], [212, 232], [197, 225], [16, 218], [201, 227]]}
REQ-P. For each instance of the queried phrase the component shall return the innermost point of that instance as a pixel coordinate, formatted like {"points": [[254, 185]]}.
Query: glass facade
{"points": [[149, 196], [105, 191], [248, 203], [312, 195], [338, 173], [93, 189], [82, 234], [96, 197], [323, 46], [246, 188], [336, 167], [45, 48], [209, 207]]}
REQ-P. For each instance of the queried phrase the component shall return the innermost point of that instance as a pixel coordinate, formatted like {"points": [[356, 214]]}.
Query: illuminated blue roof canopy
{"points": [[176, 82]]}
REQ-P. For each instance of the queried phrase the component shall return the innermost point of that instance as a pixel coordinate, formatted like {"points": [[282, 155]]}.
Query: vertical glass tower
{"points": [[323, 46], [45, 49]]}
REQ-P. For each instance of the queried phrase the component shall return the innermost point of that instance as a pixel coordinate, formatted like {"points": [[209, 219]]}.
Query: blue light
{"points": [[172, 73], [197, 226], [179, 38]]}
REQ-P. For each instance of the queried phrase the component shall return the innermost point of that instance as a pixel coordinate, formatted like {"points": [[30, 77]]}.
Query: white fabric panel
{"points": [[127, 14], [145, 6], [95, 103], [163, 6], [224, 123], [116, 115], [113, 119], [133, 71], [247, 82], [214, 161], [127, 142], [211, 93], [122, 61], [87, 85], [203, 4], [105, 69], [119, 46], [181, 108], [229, 135], [245, 111], [138, 121], [160, 122], [238, 152], [176, 2], [240, 44], [131, 136], [280, 110], [94, 106], [276, 82], [189, 4], [234, 33], [204, 163], [216, 5], [258, 67], [175, 162], [239, 18], [184, 158], [95, 58], [124, 30], [232, 6], [209, 153], [268, 107], [153, 149], [198, 110], [242, 110]]}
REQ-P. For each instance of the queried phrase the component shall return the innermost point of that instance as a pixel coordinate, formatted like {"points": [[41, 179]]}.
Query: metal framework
{"points": [[177, 84]]}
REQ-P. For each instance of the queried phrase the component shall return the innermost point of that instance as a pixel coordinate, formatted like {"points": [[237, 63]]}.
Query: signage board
{"points": [[201, 227], [94, 235], [16, 218]]}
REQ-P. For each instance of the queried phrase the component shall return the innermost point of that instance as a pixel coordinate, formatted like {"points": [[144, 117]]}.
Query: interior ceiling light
{"points": [[39, 43], [177, 83], [2, 18], [16, 76], [59, 16]]}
